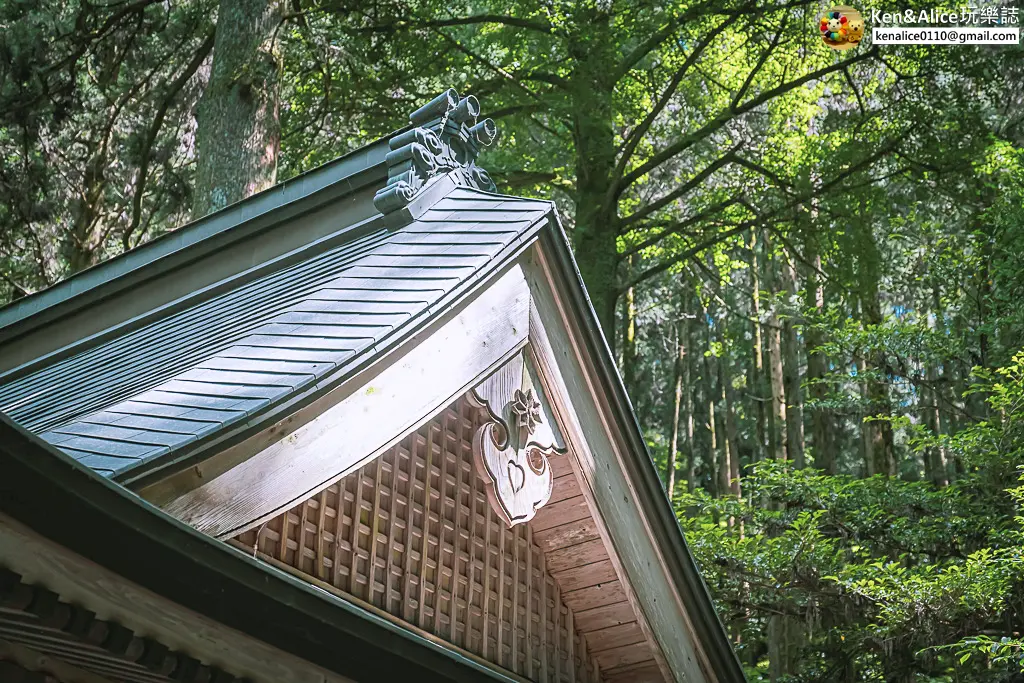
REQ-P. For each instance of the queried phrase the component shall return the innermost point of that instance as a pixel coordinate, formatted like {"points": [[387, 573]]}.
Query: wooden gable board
{"points": [[355, 422]]}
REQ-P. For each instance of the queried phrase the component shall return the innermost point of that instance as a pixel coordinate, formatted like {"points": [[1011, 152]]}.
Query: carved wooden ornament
{"points": [[511, 450]]}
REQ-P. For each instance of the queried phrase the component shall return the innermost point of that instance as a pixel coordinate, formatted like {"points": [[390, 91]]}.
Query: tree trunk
{"points": [[727, 452], [935, 456], [758, 387], [866, 442], [83, 245], [790, 348], [691, 455], [596, 230], [629, 357], [730, 467], [712, 461], [677, 404], [817, 369], [239, 130], [879, 432], [779, 438], [944, 402], [714, 432], [935, 460]]}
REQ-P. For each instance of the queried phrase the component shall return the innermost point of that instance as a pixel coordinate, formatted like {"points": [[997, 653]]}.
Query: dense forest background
{"points": [[809, 262]]}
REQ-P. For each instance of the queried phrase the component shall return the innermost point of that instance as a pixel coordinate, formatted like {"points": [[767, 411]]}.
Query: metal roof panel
{"points": [[210, 363]]}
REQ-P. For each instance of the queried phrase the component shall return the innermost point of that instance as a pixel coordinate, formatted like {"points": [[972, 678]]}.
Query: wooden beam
{"points": [[616, 636], [597, 453], [79, 581], [33, 660], [360, 419]]}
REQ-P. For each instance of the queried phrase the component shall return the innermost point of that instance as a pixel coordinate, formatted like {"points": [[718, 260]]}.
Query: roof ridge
{"points": [[327, 182]]}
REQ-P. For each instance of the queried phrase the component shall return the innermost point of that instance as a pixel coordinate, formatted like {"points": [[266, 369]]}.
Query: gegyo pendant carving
{"points": [[510, 451]]}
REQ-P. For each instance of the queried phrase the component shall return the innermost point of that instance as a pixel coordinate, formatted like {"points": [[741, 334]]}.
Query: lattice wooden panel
{"points": [[412, 533]]}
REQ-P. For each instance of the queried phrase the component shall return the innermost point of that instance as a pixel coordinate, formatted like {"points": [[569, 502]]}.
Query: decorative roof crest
{"points": [[446, 138]]}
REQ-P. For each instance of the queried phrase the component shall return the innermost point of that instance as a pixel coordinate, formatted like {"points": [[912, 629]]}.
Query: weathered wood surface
{"points": [[580, 558], [413, 535], [362, 418], [43, 665], [36, 618], [82, 582], [598, 454]]}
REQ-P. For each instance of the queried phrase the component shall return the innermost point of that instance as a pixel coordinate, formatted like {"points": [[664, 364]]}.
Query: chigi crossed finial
{"points": [[447, 138]]}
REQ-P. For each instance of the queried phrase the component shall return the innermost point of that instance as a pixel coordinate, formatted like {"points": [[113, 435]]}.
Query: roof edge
{"points": [[64, 501], [656, 506], [147, 473], [303, 193]]}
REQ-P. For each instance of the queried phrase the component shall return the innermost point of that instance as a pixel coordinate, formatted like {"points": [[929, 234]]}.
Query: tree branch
{"points": [[693, 182], [728, 115], [757, 67], [758, 220], [402, 25], [759, 169], [154, 129], [680, 225], [638, 133], [692, 251]]}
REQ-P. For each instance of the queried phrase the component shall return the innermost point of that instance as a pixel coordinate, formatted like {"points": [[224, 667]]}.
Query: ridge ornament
{"points": [[446, 140]]}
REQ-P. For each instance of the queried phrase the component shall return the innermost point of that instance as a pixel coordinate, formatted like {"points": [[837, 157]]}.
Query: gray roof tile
{"points": [[192, 372]]}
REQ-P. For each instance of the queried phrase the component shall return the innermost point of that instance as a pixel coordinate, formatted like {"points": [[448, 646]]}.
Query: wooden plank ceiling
{"points": [[580, 562]]}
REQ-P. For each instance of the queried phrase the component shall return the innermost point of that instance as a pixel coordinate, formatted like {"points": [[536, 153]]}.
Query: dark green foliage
{"points": [[850, 223], [883, 579]]}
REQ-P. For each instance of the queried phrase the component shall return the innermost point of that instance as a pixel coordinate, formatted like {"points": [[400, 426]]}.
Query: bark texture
{"points": [[596, 228], [239, 130], [677, 404], [757, 372], [779, 435], [791, 353], [817, 368]]}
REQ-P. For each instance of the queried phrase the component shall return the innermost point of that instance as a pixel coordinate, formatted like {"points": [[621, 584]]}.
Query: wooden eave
{"points": [[40, 629], [65, 522]]}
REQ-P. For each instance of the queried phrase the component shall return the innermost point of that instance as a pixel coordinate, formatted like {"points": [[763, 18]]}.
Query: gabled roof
{"points": [[211, 343], [166, 384]]}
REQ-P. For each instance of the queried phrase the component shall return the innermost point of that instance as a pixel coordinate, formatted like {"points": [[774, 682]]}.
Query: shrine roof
{"points": [[147, 390]]}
